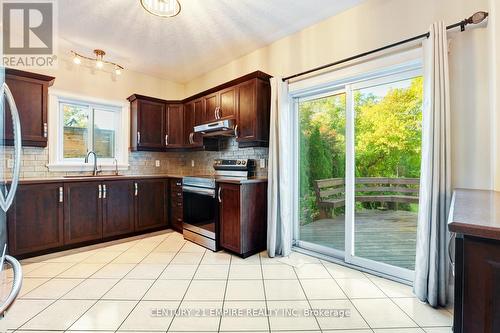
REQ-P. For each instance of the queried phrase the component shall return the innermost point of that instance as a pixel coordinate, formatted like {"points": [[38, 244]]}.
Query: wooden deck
{"points": [[385, 236]]}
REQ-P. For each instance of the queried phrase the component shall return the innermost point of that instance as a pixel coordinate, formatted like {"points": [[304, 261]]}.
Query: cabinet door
{"points": [[227, 103], [189, 123], [118, 208], [229, 217], [150, 125], [151, 204], [82, 212], [35, 220], [31, 101], [211, 104], [247, 112], [175, 126], [199, 118], [481, 290]]}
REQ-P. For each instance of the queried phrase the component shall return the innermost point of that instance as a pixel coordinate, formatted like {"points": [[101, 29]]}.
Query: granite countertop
{"points": [[475, 213], [84, 178]]}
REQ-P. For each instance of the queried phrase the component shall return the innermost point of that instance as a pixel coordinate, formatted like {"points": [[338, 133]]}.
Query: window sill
{"points": [[79, 167]]}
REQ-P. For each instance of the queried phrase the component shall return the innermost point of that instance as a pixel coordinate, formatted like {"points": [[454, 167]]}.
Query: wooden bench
{"points": [[330, 193]]}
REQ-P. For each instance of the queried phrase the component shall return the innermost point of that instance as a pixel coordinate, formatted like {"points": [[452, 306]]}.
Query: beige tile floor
{"points": [[160, 283]]}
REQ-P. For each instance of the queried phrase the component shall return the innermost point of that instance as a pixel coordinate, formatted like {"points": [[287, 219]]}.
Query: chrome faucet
{"points": [[95, 172], [116, 167]]}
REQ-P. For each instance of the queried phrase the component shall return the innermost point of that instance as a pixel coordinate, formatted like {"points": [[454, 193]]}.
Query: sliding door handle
{"points": [[61, 194]]}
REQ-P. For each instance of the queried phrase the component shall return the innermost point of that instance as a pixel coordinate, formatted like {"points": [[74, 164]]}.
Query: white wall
{"points": [[84, 81], [378, 22], [495, 89]]}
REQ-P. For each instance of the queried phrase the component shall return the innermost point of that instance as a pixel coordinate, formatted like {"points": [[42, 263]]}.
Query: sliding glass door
{"points": [[322, 120], [359, 167]]}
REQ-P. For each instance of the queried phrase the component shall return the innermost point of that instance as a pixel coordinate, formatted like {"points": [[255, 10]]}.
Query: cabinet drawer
{"points": [[176, 195]]}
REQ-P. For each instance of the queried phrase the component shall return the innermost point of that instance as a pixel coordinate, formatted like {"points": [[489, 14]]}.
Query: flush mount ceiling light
{"points": [[97, 60], [162, 8]]}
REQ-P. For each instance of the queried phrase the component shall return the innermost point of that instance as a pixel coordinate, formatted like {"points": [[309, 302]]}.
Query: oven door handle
{"points": [[198, 190]]}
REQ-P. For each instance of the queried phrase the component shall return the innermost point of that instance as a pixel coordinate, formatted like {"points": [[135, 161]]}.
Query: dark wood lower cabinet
{"points": [[82, 212], [477, 285], [176, 205], [151, 204], [243, 217], [35, 220], [118, 208]]}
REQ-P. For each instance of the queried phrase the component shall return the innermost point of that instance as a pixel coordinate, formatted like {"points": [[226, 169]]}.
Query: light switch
{"points": [[192, 163], [157, 163]]}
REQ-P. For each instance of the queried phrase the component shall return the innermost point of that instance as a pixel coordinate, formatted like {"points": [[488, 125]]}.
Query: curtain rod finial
{"points": [[477, 18]]}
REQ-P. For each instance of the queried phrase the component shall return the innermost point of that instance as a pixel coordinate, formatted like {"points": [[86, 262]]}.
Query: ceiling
{"points": [[207, 33]]}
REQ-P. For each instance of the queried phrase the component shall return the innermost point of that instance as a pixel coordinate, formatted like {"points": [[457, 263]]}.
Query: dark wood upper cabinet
{"points": [[82, 212], [243, 217], [254, 102], [118, 207], [156, 122], [174, 137], [193, 116], [227, 103], [35, 220], [147, 121], [151, 202], [30, 92], [211, 106]]}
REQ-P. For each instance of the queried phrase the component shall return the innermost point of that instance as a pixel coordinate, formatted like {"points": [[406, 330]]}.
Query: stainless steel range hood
{"points": [[219, 128]]}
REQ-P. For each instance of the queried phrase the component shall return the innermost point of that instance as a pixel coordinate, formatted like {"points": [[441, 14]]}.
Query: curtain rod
{"points": [[477, 18]]}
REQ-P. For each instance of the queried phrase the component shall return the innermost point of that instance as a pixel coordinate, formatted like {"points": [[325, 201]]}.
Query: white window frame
{"points": [[391, 68], [57, 162]]}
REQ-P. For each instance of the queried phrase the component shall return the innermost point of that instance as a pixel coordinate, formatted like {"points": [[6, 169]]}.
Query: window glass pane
{"points": [[104, 133], [322, 171], [76, 130], [388, 127]]}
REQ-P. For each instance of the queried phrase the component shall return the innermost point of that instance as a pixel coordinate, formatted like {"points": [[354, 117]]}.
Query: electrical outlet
{"points": [[262, 163], [10, 163], [157, 163], [192, 163]]}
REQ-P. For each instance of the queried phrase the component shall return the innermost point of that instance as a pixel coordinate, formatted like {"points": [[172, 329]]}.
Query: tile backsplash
{"points": [[35, 160]]}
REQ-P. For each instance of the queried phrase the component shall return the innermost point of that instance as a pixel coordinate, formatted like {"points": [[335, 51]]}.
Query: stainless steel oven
{"points": [[201, 206], [201, 211]]}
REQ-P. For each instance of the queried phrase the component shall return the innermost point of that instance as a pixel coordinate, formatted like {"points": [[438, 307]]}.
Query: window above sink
{"points": [[79, 124]]}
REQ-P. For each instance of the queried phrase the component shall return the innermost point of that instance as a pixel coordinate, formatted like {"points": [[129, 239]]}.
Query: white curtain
{"points": [[280, 176], [431, 266]]}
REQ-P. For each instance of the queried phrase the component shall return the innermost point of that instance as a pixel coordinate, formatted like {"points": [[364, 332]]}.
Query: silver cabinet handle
{"points": [[45, 130], [7, 198], [450, 257], [99, 187], [236, 132], [218, 113], [138, 138], [166, 139], [61, 194], [136, 189], [16, 284], [104, 191], [192, 138], [219, 194]]}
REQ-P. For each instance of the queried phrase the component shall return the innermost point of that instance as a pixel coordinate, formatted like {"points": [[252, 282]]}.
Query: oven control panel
{"points": [[239, 164]]}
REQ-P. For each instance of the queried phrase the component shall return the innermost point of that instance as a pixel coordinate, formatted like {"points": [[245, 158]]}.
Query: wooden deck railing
{"points": [[330, 193]]}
